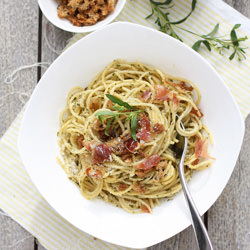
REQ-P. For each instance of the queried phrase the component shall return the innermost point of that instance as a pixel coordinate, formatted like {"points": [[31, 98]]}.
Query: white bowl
{"points": [[77, 66], [49, 9]]}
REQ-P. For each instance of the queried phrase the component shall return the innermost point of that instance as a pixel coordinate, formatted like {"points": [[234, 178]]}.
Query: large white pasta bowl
{"points": [[38, 145]]}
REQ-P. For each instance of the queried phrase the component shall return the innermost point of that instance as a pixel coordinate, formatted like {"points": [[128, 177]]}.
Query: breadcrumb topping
{"points": [[85, 12]]}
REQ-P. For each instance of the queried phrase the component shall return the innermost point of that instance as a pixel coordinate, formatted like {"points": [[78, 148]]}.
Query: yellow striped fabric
{"points": [[21, 200]]}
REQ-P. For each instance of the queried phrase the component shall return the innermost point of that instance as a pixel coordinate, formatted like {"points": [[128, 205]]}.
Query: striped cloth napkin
{"points": [[20, 198]]}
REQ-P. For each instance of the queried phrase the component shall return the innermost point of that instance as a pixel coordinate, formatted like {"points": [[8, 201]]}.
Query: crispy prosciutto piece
{"points": [[127, 157], [118, 146], [109, 104], [195, 112], [104, 137], [195, 162], [122, 186], [149, 162], [141, 173], [141, 153], [181, 85], [79, 141], [144, 135], [144, 122], [201, 149], [94, 104], [144, 209], [144, 132], [139, 188], [123, 145], [97, 125], [131, 145], [146, 95], [101, 153], [175, 99], [125, 136], [158, 128], [161, 93], [94, 173], [89, 145], [100, 129]]}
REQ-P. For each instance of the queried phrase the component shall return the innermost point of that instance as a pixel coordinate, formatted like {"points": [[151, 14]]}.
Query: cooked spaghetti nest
{"points": [[103, 158]]}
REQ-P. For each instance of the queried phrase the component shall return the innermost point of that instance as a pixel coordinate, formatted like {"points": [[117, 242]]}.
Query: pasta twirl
{"points": [[118, 137]]}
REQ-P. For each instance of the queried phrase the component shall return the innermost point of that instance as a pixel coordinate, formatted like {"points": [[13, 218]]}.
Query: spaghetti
{"points": [[118, 137]]}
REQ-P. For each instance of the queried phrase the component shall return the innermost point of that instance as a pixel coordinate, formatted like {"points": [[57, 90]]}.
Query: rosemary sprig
{"points": [[123, 107], [209, 41]]}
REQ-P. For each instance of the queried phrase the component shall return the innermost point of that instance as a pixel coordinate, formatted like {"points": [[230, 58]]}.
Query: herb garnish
{"points": [[209, 41], [133, 118], [123, 107], [121, 103]]}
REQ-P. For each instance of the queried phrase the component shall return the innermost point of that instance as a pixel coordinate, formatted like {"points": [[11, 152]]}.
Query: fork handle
{"points": [[200, 230]]}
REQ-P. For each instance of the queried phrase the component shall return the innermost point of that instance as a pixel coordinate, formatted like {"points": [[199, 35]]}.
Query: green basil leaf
{"points": [[105, 112], [100, 117], [119, 102], [133, 126], [119, 108], [108, 126]]}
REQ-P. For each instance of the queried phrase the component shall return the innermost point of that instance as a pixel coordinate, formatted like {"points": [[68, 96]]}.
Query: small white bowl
{"points": [[78, 65], [49, 9]]}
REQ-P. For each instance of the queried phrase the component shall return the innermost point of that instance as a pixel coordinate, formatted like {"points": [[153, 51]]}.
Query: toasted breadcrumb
{"points": [[85, 12]]}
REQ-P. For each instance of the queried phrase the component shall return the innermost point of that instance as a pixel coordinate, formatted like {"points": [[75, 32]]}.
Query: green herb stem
{"points": [[209, 41]]}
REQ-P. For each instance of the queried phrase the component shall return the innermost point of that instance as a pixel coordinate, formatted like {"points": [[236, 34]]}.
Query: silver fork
{"points": [[200, 230]]}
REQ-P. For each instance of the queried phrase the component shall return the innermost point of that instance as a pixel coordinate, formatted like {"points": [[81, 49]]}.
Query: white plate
{"points": [[49, 9], [77, 66]]}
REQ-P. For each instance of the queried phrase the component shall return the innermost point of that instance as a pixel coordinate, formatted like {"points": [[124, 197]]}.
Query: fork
{"points": [[200, 230]]}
